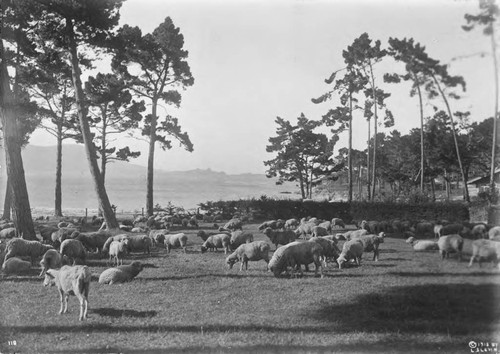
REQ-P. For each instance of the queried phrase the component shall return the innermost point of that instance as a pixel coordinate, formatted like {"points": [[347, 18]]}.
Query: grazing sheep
{"points": [[9, 232], [349, 235], [175, 241], [270, 223], [232, 225], [295, 254], [118, 249], [330, 249], [74, 250], [485, 250], [338, 222], [422, 245], [352, 249], [158, 236], [280, 237], [92, 240], [479, 231], [18, 247], [291, 224], [121, 274], [253, 251], [304, 230], [216, 241], [46, 232], [450, 244], [239, 237], [452, 229], [319, 231], [332, 238], [494, 233], [51, 259], [61, 234], [15, 265], [205, 235], [71, 280], [138, 243], [371, 243], [327, 225]]}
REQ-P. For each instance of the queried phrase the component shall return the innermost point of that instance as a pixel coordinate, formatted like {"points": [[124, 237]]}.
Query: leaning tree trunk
{"points": [[7, 203], [102, 196], [21, 210], [151, 159]]}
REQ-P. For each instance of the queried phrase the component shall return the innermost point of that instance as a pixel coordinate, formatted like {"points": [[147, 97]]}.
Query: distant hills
{"points": [[126, 182]]}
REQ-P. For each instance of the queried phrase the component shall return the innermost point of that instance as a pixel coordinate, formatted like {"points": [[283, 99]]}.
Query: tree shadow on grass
{"points": [[112, 312], [448, 274]]}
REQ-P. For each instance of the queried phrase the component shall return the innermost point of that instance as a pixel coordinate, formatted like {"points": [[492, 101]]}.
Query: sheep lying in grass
{"points": [[71, 280], [17, 247], [239, 237], [485, 250], [215, 242], [352, 249], [371, 243], [422, 245], [15, 265], [176, 241], [52, 259], [295, 254], [253, 251], [117, 250], [121, 274], [494, 233], [450, 244], [280, 237], [73, 250]]}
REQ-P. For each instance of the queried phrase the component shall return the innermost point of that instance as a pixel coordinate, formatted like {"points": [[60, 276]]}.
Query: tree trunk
{"points": [[58, 190], [151, 159], [21, 209], [102, 196], [368, 177], [7, 203], [422, 156], [375, 121], [496, 130], [349, 155]]}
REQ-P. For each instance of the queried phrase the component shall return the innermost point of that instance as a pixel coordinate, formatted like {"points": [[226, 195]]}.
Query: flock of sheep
{"points": [[63, 249]]}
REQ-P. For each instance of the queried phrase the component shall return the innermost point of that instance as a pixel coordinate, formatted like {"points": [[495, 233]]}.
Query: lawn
{"points": [[191, 303]]}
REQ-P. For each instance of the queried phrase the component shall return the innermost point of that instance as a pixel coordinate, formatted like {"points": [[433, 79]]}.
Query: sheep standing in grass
{"points": [[110, 239], [280, 237], [239, 237], [117, 250], [121, 274], [270, 223], [304, 230], [450, 244], [15, 265], [205, 235], [327, 225], [216, 241], [479, 231], [352, 249], [338, 222], [318, 231], [232, 225], [291, 224], [51, 259], [422, 245], [92, 240], [349, 235], [18, 247], [71, 280], [371, 243], [176, 241], [330, 248], [74, 250], [485, 250], [295, 254], [494, 233], [139, 243], [158, 236], [253, 251]]}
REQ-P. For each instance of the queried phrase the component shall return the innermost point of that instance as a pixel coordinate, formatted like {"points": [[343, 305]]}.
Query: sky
{"points": [[255, 60]]}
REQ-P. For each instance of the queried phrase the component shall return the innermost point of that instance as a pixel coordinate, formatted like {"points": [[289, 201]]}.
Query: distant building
{"points": [[481, 184]]}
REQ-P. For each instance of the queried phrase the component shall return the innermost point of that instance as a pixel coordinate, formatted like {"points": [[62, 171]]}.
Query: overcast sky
{"points": [[255, 60]]}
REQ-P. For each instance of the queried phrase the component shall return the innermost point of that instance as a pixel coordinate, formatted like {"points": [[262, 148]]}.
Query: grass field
{"points": [[406, 302]]}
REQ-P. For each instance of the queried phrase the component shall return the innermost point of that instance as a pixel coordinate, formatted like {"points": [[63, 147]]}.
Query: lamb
{"points": [[319, 231], [422, 245], [92, 240], [280, 237], [253, 251], [51, 259], [9, 232], [121, 274], [352, 249], [449, 244], [216, 241], [296, 254], [74, 250], [71, 280], [176, 241], [18, 247], [338, 222], [239, 237], [371, 243], [110, 239], [494, 233], [138, 243], [485, 250], [15, 265], [117, 249]]}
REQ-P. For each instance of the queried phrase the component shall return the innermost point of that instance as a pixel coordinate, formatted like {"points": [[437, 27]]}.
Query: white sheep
{"points": [[330, 248], [233, 224], [485, 250], [494, 233], [294, 255], [422, 245], [280, 237], [51, 259], [253, 251], [71, 280], [349, 235], [352, 249], [239, 237], [270, 223], [74, 250], [158, 236], [15, 265], [118, 249], [371, 243], [327, 225], [18, 247], [319, 230], [304, 230], [121, 274], [176, 241], [450, 244], [110, 239], [138, 243], [437, 230], [291, 224], [216, 241]]}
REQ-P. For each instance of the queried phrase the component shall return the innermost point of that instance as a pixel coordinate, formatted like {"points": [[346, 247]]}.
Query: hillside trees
{"points": [[67, 25], [152, 64], [303, 156]]}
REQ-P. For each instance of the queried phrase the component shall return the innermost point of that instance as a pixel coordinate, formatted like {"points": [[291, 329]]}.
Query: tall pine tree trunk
{"points": [[58, 189], [375, 122], [7, 203], [349, 155], [102, 196], [151, 159], [496, 129], [422, 156], [368, 176]]}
